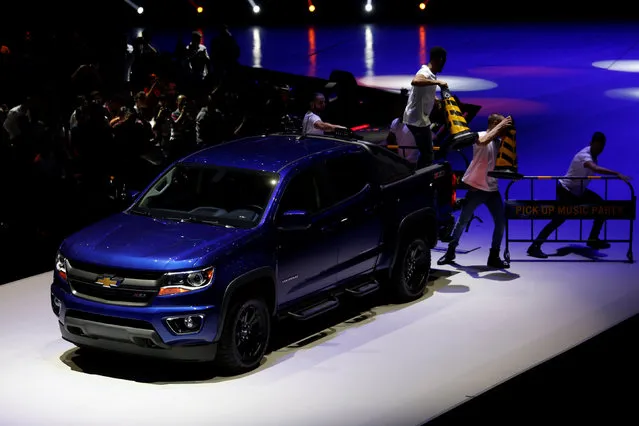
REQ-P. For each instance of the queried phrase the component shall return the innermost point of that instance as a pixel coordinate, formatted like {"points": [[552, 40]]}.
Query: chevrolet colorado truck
{"points": [[230, 238]]}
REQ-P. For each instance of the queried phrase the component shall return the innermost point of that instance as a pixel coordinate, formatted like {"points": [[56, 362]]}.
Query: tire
{"points": [[235, 356], [412, 268]]}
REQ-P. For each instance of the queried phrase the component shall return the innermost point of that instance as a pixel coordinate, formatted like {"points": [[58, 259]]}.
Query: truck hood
{"points": [[145, 243]]}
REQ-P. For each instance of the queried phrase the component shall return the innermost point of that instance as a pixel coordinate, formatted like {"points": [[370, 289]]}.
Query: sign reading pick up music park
{"points": [[550, 209]]}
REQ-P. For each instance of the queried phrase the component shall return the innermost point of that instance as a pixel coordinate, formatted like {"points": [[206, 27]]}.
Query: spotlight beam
{"points": [[138, 8], [256, 8]]}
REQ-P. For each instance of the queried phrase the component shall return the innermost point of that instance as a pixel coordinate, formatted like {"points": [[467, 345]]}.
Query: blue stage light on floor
{"points": [[630, 65]]}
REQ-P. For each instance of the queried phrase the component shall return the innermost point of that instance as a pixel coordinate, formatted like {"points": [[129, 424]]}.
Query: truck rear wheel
{"points": [[245, 336], [411, 270]]}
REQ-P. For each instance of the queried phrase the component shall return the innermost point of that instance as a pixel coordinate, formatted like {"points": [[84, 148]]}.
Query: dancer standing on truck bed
{"points": [[421, 100]]}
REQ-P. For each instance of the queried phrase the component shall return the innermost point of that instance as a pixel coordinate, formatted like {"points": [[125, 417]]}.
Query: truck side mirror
{"points": [[129, 195]]}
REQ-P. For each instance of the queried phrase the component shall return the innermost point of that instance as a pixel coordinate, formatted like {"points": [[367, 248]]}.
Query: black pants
{"points": [[565, 196], [424, 141]]}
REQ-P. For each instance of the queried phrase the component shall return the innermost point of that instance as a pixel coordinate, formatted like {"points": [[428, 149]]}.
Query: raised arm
{"points": [[494, 132], [421, 81]]}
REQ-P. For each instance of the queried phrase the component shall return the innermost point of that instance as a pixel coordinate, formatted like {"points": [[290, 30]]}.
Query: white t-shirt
{"points": [[484, 159], [404, 137], [421, 100], [577, 169], [308, 124]]}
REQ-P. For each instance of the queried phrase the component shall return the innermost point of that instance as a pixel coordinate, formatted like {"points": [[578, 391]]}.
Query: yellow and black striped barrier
{"points": [[506, 166], [460, 133]]}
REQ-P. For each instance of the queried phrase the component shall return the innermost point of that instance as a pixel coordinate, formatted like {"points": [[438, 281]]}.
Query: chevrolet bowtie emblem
{"points": [[107, 282]]}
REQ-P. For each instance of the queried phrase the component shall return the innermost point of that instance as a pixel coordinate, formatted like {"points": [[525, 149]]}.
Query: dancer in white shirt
{"points": [[312, 124], [583, 164], [483, 189], [400, 135], [421, 100]]}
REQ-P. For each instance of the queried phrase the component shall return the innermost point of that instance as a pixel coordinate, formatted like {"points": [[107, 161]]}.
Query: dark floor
{"points": [[592, 382]]}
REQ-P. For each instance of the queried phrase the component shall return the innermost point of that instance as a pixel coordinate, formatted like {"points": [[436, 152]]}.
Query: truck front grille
{"points": [[117, 287], [123, 295]]}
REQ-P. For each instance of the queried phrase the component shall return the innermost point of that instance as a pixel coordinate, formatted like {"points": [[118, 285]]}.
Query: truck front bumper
{"points": [[179, 333], [132, 341]]}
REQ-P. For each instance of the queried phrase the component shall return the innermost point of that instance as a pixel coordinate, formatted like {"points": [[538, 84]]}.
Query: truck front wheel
{"points": [[245, 336], [411, 270]]}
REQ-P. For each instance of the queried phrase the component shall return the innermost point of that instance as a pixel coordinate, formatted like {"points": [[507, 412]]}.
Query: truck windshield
{"points": [[209, 194]]}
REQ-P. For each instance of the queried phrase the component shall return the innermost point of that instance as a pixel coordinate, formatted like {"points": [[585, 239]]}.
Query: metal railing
{"points": [[532, 209]]}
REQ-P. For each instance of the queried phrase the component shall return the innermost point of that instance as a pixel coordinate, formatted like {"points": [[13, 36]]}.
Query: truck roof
{"points": [[269, 153]]}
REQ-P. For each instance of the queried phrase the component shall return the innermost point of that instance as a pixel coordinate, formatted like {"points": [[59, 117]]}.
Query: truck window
{"points": [[388, 167], [347, 174], [301, 193], [217, 195]]}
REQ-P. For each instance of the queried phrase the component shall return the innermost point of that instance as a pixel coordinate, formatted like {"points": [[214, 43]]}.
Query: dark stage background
{"points": [[109, 14]]}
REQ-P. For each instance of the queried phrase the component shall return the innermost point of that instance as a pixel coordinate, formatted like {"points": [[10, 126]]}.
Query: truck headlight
{"points": [[182, 282], [61, 265]]}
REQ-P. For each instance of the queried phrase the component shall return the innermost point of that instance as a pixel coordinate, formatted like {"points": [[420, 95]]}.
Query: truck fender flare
{"points": [[237, 284], [419, 216]]}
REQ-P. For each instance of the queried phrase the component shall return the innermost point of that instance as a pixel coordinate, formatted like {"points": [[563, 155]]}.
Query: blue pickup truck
{"points": [[230, 238]]}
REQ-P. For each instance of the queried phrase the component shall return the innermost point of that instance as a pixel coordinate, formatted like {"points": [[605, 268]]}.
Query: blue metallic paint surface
{"points": [[266, 153], [140, 242], [301, 267]]}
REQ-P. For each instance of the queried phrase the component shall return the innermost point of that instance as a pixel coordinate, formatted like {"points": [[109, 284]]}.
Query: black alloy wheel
{"points": [[251, 333]]}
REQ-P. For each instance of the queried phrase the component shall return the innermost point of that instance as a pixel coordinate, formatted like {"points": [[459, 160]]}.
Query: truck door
{"points": [[306, 258], [355, 205]]}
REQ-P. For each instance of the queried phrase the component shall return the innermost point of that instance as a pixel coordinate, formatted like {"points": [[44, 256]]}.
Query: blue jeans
{"points": [[474, 198]]}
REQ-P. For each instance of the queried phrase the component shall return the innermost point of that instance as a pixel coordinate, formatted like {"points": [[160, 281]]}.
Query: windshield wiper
{"points": [[180, 219], [199, 220], [141, 212]]}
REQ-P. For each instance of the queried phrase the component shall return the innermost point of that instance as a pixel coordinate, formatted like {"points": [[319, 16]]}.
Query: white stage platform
{"points": [[401, 365]]}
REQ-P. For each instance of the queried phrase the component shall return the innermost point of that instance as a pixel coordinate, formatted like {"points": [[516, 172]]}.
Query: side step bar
{"points": [[363, 289], [332, 302], [316, 309]]}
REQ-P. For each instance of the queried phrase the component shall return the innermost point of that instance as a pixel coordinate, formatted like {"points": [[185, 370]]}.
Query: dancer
{"points": [[312, 124], [421, 100], [483, 189], [583, 164]]}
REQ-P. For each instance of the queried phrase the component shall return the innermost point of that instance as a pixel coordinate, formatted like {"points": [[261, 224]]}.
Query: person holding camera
{"points": [[182, 139], [483, 189]]}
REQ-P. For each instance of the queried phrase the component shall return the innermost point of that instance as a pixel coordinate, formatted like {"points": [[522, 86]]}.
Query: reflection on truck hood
{"points": [[140, 242]]}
